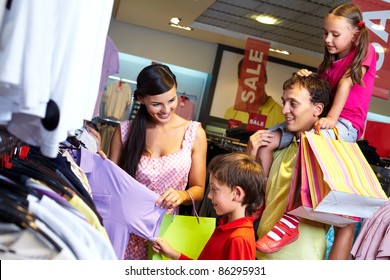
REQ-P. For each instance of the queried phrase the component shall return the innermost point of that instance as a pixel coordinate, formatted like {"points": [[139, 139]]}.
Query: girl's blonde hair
{"points": [[353, 14]]}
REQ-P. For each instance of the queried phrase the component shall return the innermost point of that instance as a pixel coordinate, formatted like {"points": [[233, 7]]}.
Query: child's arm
{"points": [[341, 96], [265, 153], [160, 246], [339, 100], [262, 144], [258, 139]]}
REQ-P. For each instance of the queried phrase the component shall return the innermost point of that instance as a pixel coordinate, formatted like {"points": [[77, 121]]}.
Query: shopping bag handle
{"points": [[193, 206], [318, 131]]}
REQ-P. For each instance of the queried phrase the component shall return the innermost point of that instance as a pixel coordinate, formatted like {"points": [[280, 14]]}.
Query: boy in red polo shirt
{"points": [[236, 191]]}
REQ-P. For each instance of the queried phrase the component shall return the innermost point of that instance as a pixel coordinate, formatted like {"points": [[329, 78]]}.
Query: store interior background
{"points": [[142, 35]]}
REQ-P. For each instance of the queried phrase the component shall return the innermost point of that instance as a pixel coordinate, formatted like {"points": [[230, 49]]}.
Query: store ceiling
{"points": [[227, 22]]}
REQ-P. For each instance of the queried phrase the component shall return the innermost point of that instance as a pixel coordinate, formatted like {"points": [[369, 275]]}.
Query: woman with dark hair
{"points": [[160, 149]]}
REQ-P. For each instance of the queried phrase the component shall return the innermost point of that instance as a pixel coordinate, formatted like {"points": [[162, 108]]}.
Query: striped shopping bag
{"points": [[337, 185]]}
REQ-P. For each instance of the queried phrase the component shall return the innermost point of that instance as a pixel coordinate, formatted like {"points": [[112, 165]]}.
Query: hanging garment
{"points": [[125, 205], [116, 99], [85, 241], [27, 244], [52, 227], [185, 108], [38, 66], [110, 66], [373, 240]]}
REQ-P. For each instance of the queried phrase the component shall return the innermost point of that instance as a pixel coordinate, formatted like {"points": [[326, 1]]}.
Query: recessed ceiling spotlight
{"points": [[180, 26], [175, 20], [265, 19], [279, 51]]}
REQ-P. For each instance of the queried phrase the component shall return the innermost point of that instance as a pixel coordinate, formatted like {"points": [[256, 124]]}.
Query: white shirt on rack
{"points": [[51, 50]]}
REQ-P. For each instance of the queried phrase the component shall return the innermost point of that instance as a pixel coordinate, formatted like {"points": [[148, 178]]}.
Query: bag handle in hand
{"points": [[193, 206]]}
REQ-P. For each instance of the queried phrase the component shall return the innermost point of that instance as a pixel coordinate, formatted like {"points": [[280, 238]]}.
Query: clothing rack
{"points": [[9, 145], [189, 96], [224, 142], [122, 79], [103, 120], [6, 140]]}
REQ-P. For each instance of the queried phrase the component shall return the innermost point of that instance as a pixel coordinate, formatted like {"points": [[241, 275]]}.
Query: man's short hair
{"points": [[317, 87]]}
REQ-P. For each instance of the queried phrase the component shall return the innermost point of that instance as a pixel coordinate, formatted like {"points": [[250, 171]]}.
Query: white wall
{"points": [[163, 47]]}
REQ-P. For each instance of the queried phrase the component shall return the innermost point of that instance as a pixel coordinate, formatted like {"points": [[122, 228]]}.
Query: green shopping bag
{"points": [[187, 234]]}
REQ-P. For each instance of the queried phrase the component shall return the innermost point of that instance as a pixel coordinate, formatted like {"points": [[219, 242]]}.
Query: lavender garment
{"points": [[125, 205], [110, 66]]}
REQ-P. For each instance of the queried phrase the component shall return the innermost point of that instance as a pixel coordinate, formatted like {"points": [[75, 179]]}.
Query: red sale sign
{"points": [[251, 81], [375, 16], [256, 122], [234, 123]]}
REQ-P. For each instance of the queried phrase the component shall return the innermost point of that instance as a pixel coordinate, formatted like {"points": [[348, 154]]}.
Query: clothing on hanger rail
{"points": [[187, 96], [122, 79], [109, 121], [186, 106]]}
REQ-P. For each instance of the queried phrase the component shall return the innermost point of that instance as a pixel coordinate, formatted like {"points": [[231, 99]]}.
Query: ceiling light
{"points": [[279, 51], [266, 19], [180, 26], [175, 20]]}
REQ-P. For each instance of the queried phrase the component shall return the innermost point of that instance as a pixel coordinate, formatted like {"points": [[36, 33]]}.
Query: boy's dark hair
{"points": [[239, 169], [317, 87]]}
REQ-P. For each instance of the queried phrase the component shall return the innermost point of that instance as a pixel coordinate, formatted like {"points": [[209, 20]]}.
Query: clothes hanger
{"points": [[28, 168], [8, 145], [71, 143], [11, 212]]}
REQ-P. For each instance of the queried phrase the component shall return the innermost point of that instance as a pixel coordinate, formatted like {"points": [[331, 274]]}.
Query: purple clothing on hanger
{"points": [[110, 66], [125, 205]]}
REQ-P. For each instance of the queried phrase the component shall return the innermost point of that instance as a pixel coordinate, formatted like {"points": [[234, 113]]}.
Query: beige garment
{"points": [[116, 99], [106, 132], [78, 172], [91, 217]]}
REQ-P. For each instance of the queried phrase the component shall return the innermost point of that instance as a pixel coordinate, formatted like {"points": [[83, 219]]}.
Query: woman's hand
{"points": [[258, 139], [160, 246], [171, 198]]}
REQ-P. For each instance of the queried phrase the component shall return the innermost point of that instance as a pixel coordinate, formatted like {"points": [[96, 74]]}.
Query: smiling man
{"points": [[305, 100]]}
